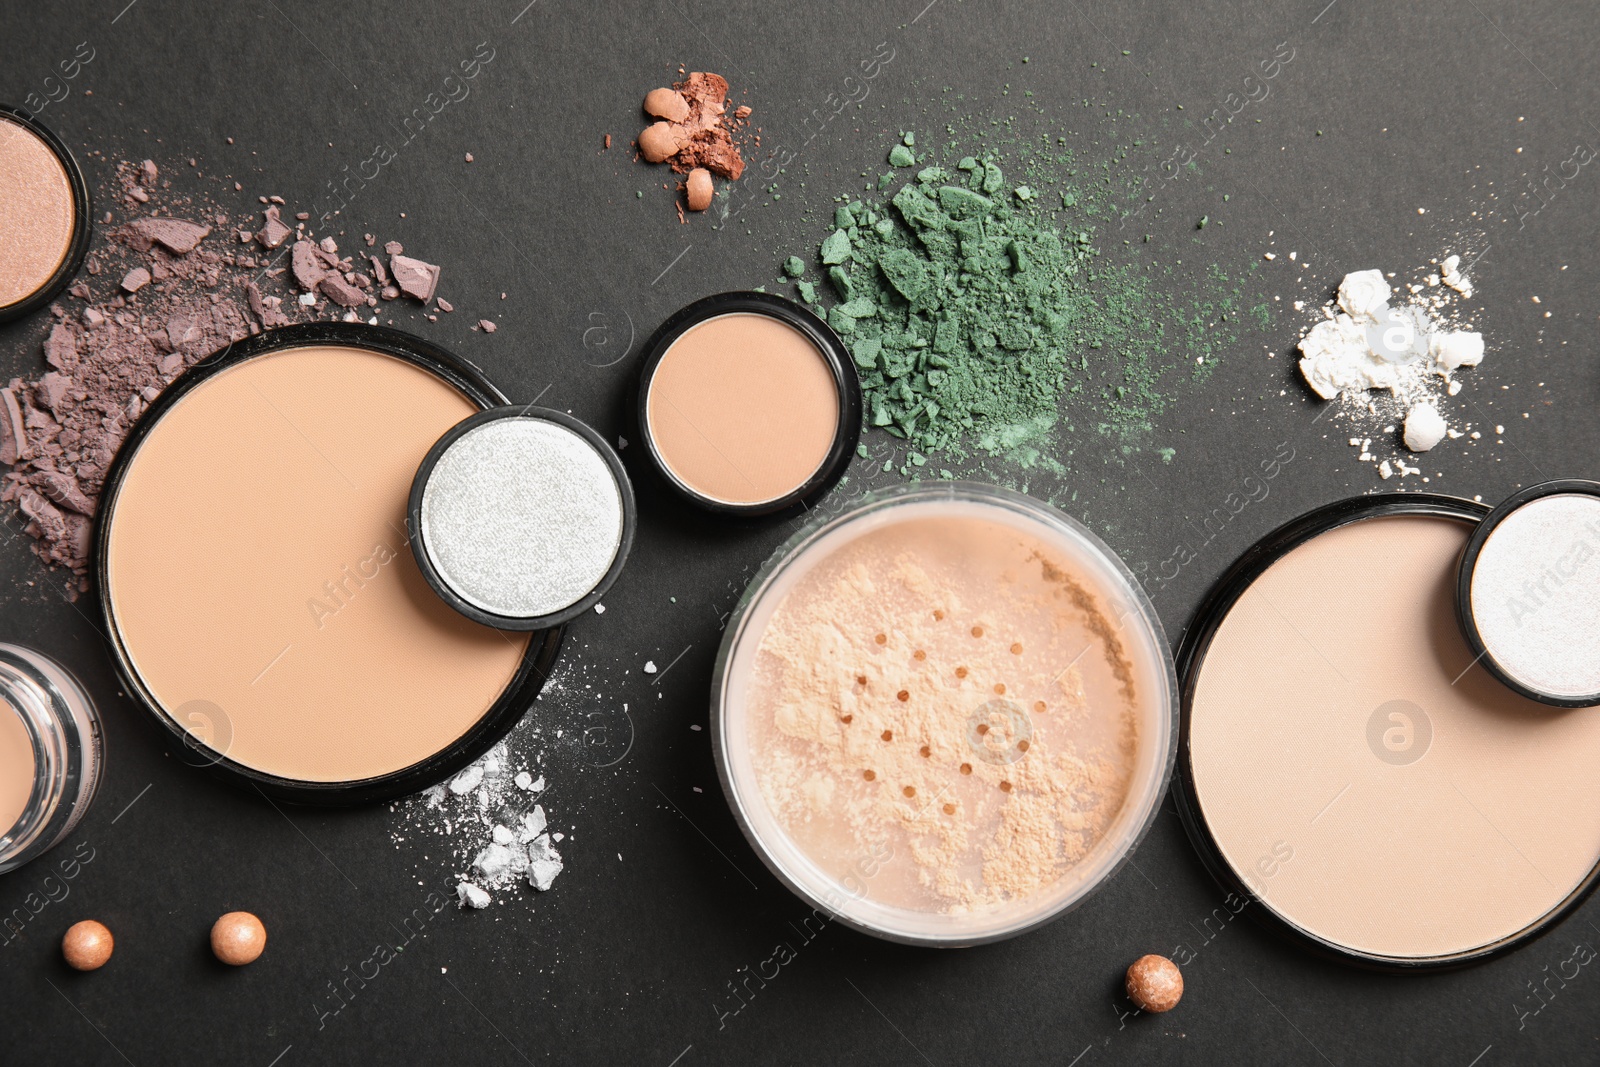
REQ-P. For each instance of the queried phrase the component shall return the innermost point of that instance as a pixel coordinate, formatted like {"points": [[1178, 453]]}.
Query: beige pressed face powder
{"points": [[1364, 779], [743, 408], [259, 579], [37, 212]]}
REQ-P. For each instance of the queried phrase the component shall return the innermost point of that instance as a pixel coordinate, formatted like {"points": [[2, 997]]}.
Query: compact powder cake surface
{"points": [[743, 408], [37, 215], [949, 697], [17, 767], [258, 569], [1370, 784]]}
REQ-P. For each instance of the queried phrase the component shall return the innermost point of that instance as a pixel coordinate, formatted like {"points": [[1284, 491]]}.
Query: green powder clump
{"points": [[969, 313]]}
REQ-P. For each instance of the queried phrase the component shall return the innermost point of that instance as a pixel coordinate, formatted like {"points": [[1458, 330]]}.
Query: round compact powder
{"points": [[1535, 595], [743, 408], [521, 516], [953, 716], [18, 765], [38, 213], [1354, 769], [258, 579]]}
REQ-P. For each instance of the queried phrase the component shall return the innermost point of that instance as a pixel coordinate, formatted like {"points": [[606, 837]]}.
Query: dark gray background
{"points": [[627, 960]]}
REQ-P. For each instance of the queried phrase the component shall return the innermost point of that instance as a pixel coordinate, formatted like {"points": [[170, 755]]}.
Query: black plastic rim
{"points": [[1469, 564], [834, 353], [1191, 655], [513, 702], [81, 226], [419, 547]]}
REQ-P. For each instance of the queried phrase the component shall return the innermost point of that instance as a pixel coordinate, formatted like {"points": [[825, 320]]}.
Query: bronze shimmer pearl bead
{"points": [[86, 945], [1154, 983], [238, 938]]}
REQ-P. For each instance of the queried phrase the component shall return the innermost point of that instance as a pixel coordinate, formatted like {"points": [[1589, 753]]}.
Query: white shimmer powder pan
{"points": [[521, 518], [1529, 593], [1346, 765]]}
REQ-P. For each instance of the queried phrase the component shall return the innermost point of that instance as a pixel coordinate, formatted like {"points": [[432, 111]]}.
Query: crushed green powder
{"points": [[970, 311]]}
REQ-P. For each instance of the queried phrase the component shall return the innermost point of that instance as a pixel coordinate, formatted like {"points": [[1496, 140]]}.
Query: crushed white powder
{"points": [[499, 832], [1388, 362], [1425, 427]]}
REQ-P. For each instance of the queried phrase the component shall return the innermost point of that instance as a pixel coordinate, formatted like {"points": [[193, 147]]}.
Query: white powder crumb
{"points": [[524, 780], [1355, 442], [307, 299], [1271, 255], [1453, 388], [1451, 276], [599, 609], [493, 862], [1425, 427], [1299, 305], [1384, 471], [470, 896], [538, 785], [558, 835], [1499, 429], [1432, 280], [467, 780], [502, 835], [533, 823], [544, 863], [1476, 435], [649, 666]]}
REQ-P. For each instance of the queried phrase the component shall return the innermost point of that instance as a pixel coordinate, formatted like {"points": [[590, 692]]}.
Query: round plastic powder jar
{"points": [[50, 754], [945, 716]]}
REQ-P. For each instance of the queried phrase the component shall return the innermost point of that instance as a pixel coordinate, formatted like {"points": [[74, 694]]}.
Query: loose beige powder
{"points": [[1371, 784], [36, 212], [950, 688], [17, 767]]}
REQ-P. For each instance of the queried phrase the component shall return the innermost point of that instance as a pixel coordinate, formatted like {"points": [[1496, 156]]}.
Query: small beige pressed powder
{"points": [[39, 211], [748, 402], [1362, 775], [258, 578]]}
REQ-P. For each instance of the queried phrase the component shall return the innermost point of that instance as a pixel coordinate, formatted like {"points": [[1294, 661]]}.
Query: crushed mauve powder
{"points": [[159, 294]]}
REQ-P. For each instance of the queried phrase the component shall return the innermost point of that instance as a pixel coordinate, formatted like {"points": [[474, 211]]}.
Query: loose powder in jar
{"points": [[946, 690], [17, 768], [743, 408], [36, 212]]}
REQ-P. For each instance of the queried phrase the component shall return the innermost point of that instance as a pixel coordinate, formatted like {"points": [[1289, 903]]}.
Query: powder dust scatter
{"points": [[492, 826], [993, 306], [172, 276], [1388, 354]]}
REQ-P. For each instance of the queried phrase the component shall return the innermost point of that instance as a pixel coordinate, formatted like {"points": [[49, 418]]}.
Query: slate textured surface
{"points": [[1385, 109]]}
